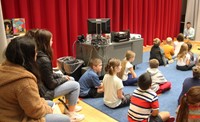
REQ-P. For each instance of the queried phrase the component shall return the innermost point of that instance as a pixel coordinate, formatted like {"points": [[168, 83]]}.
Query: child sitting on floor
{"points": [[144, 106], [127, 73], [190, 52], [159, 82], [113, 86], [90, 85], [177, 44], [157, 53], [183, 59], [168, 50]]}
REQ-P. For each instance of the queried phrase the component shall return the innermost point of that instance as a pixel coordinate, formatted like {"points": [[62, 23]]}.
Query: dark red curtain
{"points": [[67, 19]]}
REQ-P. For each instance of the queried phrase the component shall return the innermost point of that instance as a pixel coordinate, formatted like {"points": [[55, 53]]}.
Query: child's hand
{"points": [[67, 77]]}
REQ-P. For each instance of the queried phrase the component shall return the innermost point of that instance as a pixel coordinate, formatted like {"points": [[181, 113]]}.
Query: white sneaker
{"points": [[75, 117], [78, 108]]}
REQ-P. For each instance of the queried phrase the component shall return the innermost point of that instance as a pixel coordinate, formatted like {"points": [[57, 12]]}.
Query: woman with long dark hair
{"points": [[19, 95], [59, 84]]}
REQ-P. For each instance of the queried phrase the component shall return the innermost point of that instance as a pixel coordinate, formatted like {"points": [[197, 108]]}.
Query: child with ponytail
{"points": [[113, 86], [190, 106], [127, 73]]}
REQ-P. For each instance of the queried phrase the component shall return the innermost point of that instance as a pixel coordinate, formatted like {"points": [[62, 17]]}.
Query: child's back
{"points": [[156, 52], [168, 49], [144, 105], [141, 100], [178, 43], [159, 82], [113, 86]]}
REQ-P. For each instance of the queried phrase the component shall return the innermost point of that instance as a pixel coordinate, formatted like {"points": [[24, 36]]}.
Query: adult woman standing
{"points": [[19, 95], [60, 84]]}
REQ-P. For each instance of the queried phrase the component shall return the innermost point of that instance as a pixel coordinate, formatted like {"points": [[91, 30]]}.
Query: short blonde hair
{"points": [[94, 62], [169, 40], [153, 63], [156, 41], [129, 54]]}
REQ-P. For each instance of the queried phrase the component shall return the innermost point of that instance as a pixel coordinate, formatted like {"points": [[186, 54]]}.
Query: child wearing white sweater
{"points": [[159, 82]]}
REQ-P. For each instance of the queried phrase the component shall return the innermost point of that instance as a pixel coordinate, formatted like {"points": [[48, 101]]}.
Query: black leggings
{"points": [[125, 101], [93, 94], [185, 68]]}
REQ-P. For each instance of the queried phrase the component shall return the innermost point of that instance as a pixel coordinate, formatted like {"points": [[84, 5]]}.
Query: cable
{"points": [[73, 51], [90, 56]]}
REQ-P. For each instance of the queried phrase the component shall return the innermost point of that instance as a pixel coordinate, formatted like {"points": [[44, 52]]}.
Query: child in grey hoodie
{"points": [[159, 82]]}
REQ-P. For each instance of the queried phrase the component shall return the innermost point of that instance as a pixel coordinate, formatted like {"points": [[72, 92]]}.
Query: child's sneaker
{"points": [[75, 117], [78, 108]]}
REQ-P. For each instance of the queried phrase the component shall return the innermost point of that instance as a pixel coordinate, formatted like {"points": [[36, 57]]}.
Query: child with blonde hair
{"points": [[183, 59], [90, 85], [159, 82], [168, 50], [113, 86], [127, 73], [157, 53], [190, 52]]}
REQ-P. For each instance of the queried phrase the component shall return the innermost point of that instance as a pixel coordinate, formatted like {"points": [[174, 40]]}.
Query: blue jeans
{"points": [[56, 117], [130, 81], [70, 90]]}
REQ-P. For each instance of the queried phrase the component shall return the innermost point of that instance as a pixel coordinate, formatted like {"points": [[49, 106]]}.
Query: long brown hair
{"points": [[191, 97], [43, 38], [129, 54], [183, 51]]}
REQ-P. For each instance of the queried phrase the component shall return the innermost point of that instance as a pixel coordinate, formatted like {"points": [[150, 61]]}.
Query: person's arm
{"points": [[155, 106], [187, 59], [155, 112], [192, 32], [132, 72], [120, 93], [29, 100], [100, 88], [184, 90], [185, 33], [46, 74], [95, 80], [172, 51]]}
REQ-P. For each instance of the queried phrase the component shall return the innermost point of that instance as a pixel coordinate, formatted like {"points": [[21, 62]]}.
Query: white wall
{"points": [[3, 41], [193, 16]]}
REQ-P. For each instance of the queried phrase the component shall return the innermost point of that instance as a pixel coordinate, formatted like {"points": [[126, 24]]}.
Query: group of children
{"points": [[177, 50], [143, 102], [120, 74]]}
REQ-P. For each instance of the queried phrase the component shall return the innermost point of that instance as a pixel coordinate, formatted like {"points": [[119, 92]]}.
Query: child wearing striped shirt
{"points": [[144, 106]]}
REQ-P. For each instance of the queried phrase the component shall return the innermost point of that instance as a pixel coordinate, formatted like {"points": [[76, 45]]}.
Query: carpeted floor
{"points": [[167, 100]]}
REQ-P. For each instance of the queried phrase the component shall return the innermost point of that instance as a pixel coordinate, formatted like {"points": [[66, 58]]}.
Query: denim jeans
{"points": [[70, 90]]}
